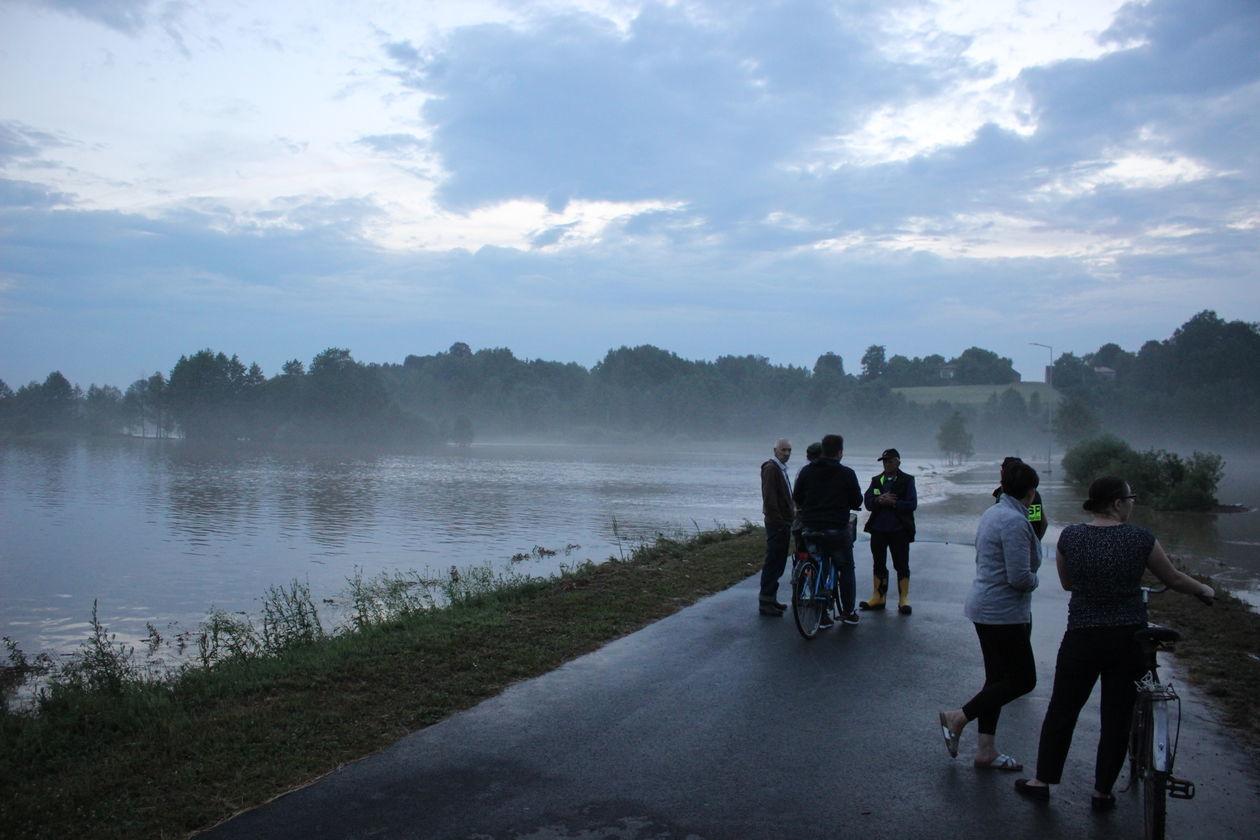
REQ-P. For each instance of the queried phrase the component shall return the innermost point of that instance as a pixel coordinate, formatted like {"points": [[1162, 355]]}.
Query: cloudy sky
{"points": [[568, 176]]}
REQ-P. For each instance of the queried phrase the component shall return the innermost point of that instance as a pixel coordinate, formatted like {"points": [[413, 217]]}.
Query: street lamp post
{"points": [[1050, 405]]}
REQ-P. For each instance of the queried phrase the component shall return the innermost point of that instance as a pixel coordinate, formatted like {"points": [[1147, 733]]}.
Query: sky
{"points": [[563, 177]]}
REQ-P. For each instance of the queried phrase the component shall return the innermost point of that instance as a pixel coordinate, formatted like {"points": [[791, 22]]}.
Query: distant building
{"points": [[949, 371], [1104, 372]]}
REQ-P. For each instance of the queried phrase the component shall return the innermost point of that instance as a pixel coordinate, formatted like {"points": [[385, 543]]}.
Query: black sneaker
{"points": [[826, 622]]}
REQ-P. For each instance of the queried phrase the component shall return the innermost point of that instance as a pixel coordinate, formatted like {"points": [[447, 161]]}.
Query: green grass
{"points": [[1220, 650], [976, 395], [114, 755]]}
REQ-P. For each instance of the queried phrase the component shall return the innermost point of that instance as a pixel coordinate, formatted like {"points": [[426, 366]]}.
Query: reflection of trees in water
{"points": [[1196, 533], [48, 463], [332, 500], [209, 493]]}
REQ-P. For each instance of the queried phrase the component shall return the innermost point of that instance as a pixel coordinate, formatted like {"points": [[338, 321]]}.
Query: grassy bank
{"points": [[139, 759], [1220, 653]]}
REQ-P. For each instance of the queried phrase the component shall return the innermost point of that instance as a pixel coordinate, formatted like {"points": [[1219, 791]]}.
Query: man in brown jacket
{"points": [[779, 511]]}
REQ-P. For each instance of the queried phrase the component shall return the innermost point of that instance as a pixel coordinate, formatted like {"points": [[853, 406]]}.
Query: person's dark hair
{"points": [[813, 451], [832, 446], [1104, 491], [1018, 478]]}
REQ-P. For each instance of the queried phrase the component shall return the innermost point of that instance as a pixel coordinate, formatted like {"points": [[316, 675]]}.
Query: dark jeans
{"points": [[1009, 672], [777, 539], [898, 544], [1109, 653], [835, 546]]}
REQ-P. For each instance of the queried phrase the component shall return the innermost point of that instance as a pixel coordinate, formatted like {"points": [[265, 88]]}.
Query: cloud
{"points": [[126, 16], [674, 107], [394, 145], [20, 142], [29, 194], [562, 183]]}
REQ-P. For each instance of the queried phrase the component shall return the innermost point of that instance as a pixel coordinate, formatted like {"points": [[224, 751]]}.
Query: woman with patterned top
{"points": [[1101, 564]]}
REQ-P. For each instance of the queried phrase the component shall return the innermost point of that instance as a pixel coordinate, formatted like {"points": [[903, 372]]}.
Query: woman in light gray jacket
{"points": [[1000, 604]]}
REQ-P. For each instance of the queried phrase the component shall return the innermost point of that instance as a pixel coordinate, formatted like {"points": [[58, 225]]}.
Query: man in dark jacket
{"points": [[891, 499], [779, 511], [1036, 511], [826, 491]]}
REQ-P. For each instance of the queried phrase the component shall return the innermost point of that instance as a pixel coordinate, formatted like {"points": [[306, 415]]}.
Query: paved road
{"points": [[716, 723]]}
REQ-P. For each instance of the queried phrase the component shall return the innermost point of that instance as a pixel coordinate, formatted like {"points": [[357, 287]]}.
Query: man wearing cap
{"points": [[779, 511], [891, 499]]}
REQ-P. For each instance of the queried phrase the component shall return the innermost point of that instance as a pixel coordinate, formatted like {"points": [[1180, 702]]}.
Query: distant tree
{"points": [[341, 392], [462, 431], [49, 406], [104, 411], [1070, 373], [874, 365], [900, 372], [204, 395], [829, 365], [638, 367], [1075, 422], [954, 440], [460, 350], [293, 367], [977, 366]]}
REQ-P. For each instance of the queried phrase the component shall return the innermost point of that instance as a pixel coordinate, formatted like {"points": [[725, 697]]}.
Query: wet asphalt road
{"points": [[717, 723]]}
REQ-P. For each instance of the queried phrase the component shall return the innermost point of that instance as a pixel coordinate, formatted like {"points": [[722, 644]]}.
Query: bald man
{"points": [[779, 511]]}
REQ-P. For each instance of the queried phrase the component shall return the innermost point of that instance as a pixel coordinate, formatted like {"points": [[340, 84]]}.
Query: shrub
{"points": [[1104, 455], [1162, 479]]}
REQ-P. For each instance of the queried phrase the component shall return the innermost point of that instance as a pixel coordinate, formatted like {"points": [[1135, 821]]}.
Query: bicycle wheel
{"points": [[806, 607], [1138, 738], [1154, 802], [1154, 769]]}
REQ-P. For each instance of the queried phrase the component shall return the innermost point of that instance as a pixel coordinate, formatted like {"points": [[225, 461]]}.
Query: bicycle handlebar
{"points": [[1148, 590]]}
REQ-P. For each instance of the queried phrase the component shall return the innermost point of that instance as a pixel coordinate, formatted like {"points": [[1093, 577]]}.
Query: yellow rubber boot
{"points": [[903, 590], [879, 598]]}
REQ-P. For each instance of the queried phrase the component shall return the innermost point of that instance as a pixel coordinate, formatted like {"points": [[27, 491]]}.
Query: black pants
{"points": [[898, 544], [777, 538], [1009, 672], [1085, 656]]}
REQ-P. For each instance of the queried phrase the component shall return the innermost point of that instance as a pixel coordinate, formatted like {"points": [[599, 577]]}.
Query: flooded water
{"points": [[160, 532]]}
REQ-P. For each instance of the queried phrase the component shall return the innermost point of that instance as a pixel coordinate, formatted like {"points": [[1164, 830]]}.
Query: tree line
{"points": [[1203, 380]]}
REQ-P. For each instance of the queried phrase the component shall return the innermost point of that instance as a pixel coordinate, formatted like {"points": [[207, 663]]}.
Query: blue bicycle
{"points": [[813, 585]]}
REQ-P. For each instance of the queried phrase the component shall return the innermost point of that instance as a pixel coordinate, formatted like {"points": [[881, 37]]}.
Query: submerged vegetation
{"points": [[1161, 479], [108, 748]]}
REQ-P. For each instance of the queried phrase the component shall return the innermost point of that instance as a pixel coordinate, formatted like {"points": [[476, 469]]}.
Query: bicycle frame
{"points": [[1153, 735], [813, 586]]}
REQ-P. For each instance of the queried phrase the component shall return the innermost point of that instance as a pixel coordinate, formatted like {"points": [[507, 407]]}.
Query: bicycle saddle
{"points": [[1157, 633]]}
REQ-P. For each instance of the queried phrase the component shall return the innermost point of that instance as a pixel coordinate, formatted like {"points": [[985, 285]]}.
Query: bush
{"points": [[1162, 479], [1104, 455]]}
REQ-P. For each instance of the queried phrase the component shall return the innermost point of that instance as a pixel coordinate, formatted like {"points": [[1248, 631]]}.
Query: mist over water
{"points": [[161, 532]]}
